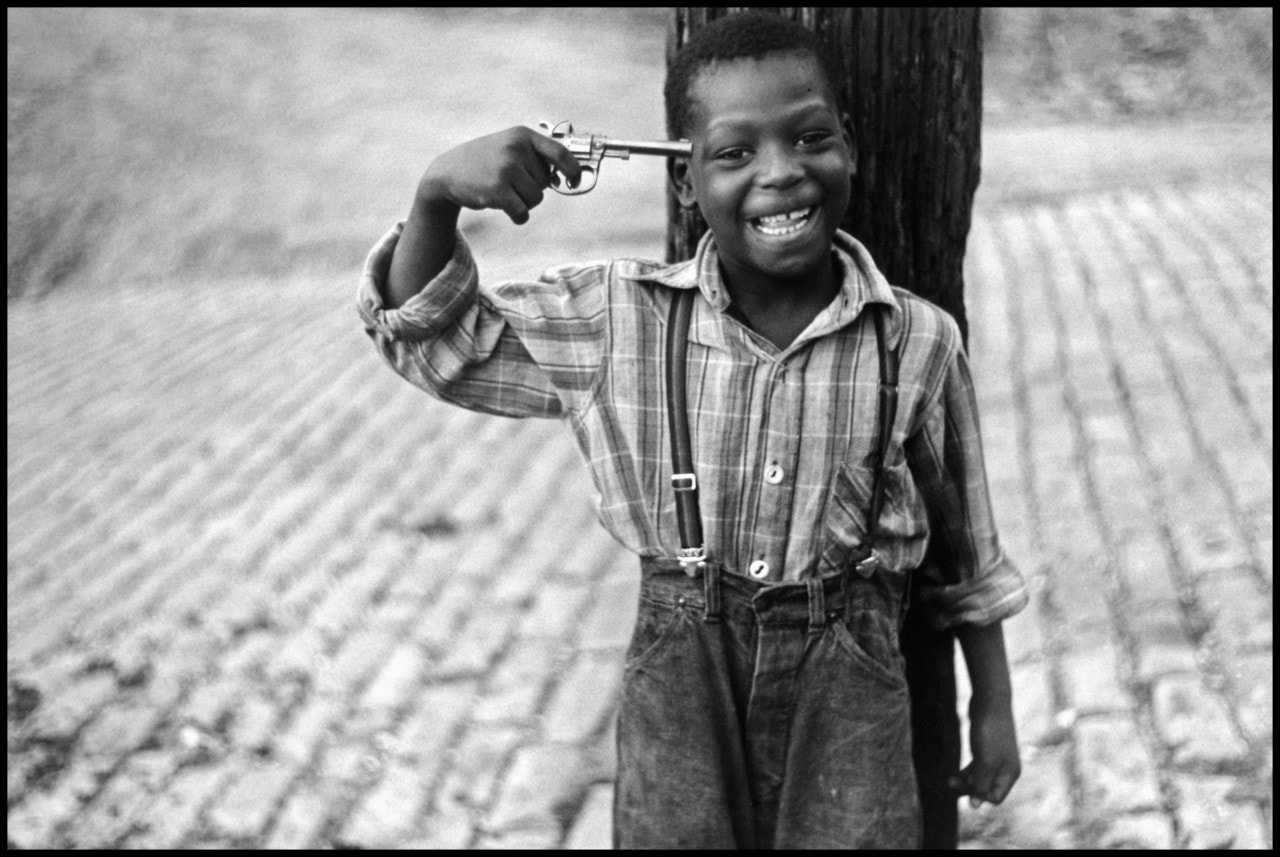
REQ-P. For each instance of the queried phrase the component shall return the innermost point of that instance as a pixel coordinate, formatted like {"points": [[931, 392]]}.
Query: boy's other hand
{"points": [[508, 170], [995, 766]]}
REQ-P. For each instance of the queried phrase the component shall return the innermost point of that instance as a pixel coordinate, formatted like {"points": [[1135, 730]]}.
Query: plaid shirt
{"points": [[783, 440]]}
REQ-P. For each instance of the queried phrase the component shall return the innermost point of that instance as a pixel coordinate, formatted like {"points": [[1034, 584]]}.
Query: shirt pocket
{"points": [[902, 515]]}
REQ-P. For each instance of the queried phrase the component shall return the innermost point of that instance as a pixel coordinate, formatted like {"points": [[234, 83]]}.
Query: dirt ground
{"points": [[174, 147]]}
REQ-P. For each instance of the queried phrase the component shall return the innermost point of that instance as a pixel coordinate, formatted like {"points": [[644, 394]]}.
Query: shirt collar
{"points": [[862, 284]]}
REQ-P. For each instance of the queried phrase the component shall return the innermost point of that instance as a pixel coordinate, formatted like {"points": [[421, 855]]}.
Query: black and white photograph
{"points": [[599, 428]]}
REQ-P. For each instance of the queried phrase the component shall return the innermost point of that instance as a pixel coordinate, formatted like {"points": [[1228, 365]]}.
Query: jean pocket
{"points": [[871, 645], [656, 623]]}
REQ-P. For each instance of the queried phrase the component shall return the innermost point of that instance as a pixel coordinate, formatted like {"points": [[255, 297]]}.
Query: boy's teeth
{"points": [[783, 224], [778, 218]]}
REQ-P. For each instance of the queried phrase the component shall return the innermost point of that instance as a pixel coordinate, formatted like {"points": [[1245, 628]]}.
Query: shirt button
{"points": [[773, 474], [758, 569]]}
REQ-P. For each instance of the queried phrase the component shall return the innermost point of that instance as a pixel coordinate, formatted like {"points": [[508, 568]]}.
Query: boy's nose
{"points": [[778, 167]]}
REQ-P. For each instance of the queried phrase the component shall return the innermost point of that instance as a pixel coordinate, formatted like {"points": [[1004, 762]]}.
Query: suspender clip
{"points": [[868, 565], [692, 559]]}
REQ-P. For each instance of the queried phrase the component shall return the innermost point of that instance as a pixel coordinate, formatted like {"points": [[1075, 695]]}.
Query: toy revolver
{"points": [[590, 149]]}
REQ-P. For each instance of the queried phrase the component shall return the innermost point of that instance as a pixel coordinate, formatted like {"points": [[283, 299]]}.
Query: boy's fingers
{"points": [[983, 786], [559, 157], [538, 170], [980, 784], [961, 785], [529, 189], [510, 202], [1002, 785]]}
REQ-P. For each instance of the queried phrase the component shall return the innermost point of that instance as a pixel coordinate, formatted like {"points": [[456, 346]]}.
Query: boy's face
{"points": [[768, 140]]}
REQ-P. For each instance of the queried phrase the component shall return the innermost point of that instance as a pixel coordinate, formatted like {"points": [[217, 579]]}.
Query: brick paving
{"points": [[263, 593]]}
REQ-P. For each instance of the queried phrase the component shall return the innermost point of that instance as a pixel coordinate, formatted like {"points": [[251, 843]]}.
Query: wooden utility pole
{"points": [[911, 79]]}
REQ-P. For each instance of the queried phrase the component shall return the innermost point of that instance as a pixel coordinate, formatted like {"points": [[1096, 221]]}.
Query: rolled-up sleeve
{"points": [[520, 349], [967, 578]]}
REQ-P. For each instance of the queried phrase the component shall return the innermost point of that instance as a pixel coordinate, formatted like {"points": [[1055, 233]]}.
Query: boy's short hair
{"points": [[746, 35]]}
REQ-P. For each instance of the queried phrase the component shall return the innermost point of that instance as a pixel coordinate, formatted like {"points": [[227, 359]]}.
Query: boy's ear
{"points": [[850, 140], [678, 175]]}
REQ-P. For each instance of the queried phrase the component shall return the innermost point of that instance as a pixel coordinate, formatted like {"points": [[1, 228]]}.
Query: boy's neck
{"points": [[780, 309]]}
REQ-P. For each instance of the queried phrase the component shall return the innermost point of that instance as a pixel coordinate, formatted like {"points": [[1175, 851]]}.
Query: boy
{"points": [[764, 703]]}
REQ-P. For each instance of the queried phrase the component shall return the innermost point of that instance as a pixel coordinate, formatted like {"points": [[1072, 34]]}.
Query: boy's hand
{"points": [[508, 170], [995, 766]]}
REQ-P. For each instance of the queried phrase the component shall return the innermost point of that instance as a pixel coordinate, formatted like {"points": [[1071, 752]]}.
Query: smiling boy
{"points": [[773, 214], [764, 703]]}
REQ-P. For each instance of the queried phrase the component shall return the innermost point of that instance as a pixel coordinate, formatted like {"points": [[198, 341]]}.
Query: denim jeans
{"points": [[765, 715]]}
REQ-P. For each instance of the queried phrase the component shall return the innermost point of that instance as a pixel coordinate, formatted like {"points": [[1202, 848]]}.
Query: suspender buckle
{"points": [[692, 559], [868, 565], [684, 482]]}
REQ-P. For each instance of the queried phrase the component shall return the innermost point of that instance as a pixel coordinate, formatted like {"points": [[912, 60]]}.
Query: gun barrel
{"points": [[663, 148]]}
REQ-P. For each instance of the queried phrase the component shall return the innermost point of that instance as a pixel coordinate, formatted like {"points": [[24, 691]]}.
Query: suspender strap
{"points": [[693, 552], [711, 591], [887, 401]]}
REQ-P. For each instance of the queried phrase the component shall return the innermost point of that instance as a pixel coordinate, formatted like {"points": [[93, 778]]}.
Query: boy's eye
{"points": [[731, 154], [813, 138]]}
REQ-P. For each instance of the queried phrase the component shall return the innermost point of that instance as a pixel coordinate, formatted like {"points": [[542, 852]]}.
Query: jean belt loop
{"points": [[817, 606], [711, 591]]}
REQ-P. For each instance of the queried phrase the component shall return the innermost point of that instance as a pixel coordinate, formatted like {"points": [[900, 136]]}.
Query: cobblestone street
{"points": [[262, 592]]}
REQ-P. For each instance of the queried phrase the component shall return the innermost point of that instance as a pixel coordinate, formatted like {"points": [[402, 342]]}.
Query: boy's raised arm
{"points": [[508, 170], [425, 247]]}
